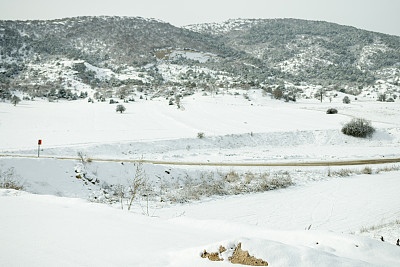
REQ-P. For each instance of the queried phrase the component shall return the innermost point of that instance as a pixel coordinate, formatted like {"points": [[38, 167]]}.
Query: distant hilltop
{"points": [[109, 52]]}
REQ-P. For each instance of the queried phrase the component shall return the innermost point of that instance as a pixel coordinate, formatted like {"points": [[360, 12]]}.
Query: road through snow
{"points": [[227, 164]]}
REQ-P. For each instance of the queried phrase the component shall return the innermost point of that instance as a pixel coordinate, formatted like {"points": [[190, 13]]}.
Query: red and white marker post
{"points": [[39, 143]]}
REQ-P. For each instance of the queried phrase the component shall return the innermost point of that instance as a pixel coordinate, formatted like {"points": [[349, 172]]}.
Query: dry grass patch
{"points": [[10, 180], [388, 169], [343, 172], [231, 183]]}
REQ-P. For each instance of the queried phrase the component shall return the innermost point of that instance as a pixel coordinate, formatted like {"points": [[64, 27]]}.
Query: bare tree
{"points": [[122, 92], [15, 100], [137, 183], [320, 94]]}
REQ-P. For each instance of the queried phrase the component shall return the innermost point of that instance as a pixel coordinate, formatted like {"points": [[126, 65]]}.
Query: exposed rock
{"points": [[239, 256], [243, 257], [213, 256]]}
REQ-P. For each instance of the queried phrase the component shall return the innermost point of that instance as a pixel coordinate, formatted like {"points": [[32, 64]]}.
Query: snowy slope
{"points": [[340, 205], [48, 231]]}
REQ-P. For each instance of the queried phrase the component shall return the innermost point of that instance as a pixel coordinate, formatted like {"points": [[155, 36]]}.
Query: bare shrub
{"points": [[213, 186], [83, 158], [136, 187], [192, 188], [367, 170], [136, 183], [231, 183], [342, 172], [248, 177], [278, 180], [232, 177], [200, 135], [358, 128], [10, 180]]}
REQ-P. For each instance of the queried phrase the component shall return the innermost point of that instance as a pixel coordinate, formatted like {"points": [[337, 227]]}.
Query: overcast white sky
{"points": [[375, 15]]}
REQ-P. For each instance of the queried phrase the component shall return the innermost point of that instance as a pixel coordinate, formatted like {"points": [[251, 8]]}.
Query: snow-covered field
{"points": [[233, 127], [326, 218]]}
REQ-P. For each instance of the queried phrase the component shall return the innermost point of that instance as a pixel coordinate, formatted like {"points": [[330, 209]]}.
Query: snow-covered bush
{"points": [[120, 108], [358, 128], [346, 100], [200, 135], [332, 111]]}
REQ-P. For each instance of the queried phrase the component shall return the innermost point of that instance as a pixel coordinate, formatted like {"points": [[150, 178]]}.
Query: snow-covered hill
{"points": [[116, 52]]}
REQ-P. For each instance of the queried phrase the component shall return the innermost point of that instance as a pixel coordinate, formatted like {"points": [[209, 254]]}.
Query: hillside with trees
{"points": [[43, 57]]}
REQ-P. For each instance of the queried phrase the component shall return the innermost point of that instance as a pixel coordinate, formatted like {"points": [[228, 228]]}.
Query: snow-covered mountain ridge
{"points": [[236, 53]]}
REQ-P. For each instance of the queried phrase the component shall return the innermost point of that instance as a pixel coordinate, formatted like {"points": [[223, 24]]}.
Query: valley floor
{"points": [[327, 216]]}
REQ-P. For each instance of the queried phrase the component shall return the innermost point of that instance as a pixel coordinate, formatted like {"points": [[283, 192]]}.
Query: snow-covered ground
{"points": [[42, 230], [233, 128], [326, 218]]}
